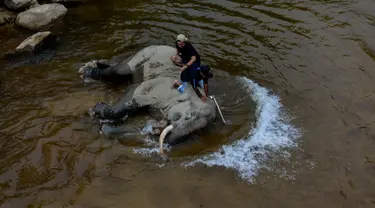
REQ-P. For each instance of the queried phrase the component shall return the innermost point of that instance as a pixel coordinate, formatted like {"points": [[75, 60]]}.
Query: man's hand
{"points": [[183, 68], [204, 98]]}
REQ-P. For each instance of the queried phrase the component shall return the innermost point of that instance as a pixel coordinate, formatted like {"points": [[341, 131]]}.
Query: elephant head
{"points": [[185, 118]]}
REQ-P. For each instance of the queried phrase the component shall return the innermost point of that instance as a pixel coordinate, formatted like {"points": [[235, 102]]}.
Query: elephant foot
{"points": [[92, 73], [99, 109], [91, 70], [103, 64]]}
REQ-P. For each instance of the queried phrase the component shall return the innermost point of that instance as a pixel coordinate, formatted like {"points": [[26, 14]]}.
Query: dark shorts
{"points": [[191, 74]]}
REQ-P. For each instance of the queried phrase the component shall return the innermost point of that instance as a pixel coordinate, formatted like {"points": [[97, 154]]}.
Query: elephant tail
{"points": [[163, 134]]}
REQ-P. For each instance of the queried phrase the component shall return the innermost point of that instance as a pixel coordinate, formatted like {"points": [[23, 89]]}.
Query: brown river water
{"points": [[296, 82]]}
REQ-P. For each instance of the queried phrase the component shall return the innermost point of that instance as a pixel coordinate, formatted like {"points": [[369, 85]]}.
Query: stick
{"points": [[218, 108]]}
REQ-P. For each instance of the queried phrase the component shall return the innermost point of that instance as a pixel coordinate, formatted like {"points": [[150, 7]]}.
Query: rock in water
{"points": [[18, 4], [6, 17], [35, 42], [41, 16]]}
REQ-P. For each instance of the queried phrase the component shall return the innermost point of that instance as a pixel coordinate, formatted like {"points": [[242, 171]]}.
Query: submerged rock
{"points": [[41, 16], [31, 45], [19, 4], [6, 16], [35, 42]]}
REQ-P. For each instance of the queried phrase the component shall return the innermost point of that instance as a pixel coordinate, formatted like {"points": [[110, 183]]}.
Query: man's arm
{"points": [[205, 83], [192, 59], [202, 97], [192, 54]]}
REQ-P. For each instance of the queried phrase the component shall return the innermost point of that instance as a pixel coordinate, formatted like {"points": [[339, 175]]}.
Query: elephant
{"points": [[184, 112]]}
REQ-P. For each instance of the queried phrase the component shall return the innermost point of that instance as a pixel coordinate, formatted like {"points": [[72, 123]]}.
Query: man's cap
{"points": [[181, 37]]}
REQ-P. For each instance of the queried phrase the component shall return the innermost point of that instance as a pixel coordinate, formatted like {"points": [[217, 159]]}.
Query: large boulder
{"points": [[6, 16], [19, 4], [41, 17]]}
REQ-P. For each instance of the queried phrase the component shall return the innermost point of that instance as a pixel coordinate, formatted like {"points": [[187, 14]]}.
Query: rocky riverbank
{"points": [[34, 15]]}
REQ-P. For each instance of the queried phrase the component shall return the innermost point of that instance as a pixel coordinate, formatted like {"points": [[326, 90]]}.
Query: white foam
{"points": [[147, 129], [151, 145], [152, 149], [273, 132]]}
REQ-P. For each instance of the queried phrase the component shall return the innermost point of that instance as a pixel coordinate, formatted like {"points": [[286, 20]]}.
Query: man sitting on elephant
{"points": [[191, 70]]}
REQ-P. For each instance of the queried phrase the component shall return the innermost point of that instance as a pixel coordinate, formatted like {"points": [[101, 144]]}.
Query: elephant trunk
{"points": [[163, 134]]}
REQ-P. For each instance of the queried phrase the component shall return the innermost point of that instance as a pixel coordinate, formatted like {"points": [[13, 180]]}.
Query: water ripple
{"points": [[47, 140]]}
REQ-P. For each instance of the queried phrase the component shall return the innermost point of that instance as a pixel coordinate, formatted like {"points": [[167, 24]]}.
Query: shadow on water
{"points": [[317, 55]]}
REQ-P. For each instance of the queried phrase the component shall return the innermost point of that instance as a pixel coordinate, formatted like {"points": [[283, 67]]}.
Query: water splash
{"points": [[272, 133], [147, 129], [151, 148]]}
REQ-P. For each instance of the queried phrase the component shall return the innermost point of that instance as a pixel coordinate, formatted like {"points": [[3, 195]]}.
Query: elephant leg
{"points": [[105, 72], [118, 111], [103, 64], [110, 130]]}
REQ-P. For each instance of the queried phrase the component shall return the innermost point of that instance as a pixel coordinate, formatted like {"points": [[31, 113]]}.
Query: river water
{"points": [[295, 78]]}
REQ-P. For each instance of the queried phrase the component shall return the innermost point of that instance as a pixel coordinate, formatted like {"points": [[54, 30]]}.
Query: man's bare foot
{"points": [[176, 84]]}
